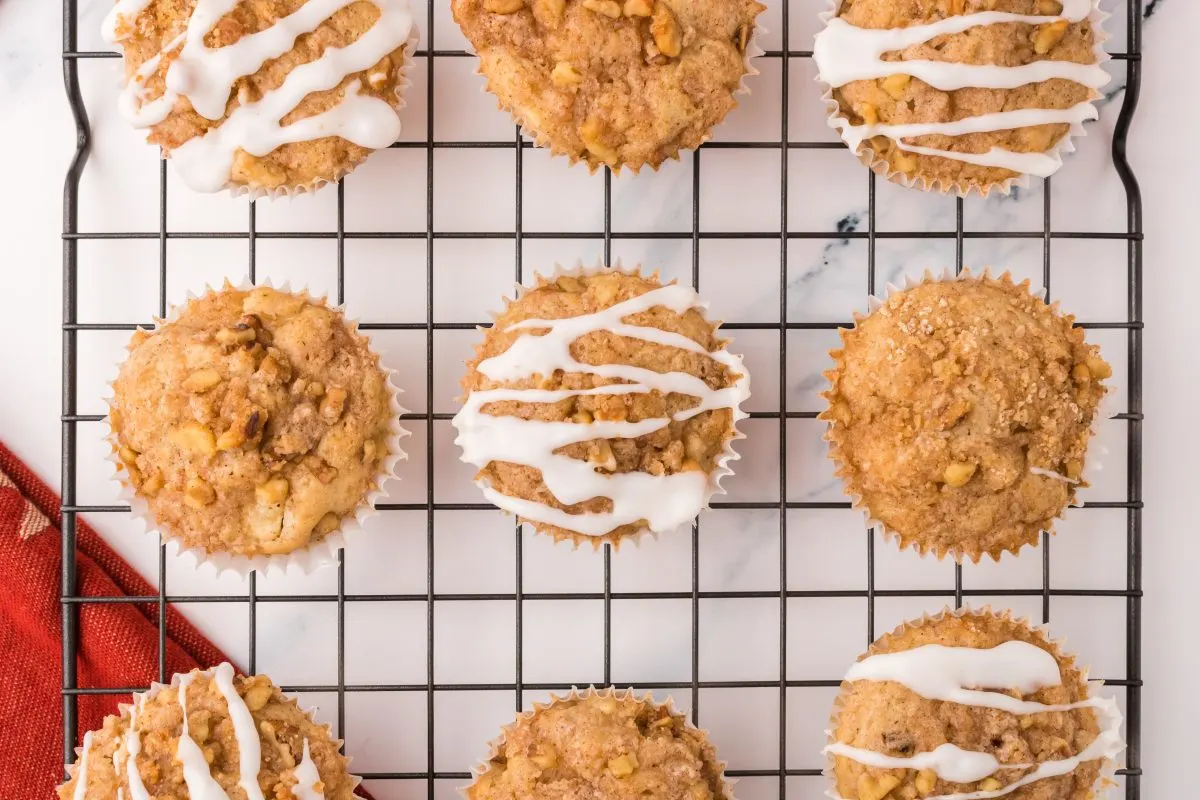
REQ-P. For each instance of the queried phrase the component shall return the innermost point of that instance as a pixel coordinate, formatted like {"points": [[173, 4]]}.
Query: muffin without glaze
{"points": [[615, 82], [610, 746], [960, 412], [588, 463], [898, 98], [238, 112], [295, 753], [889, 718], [253, 423]]}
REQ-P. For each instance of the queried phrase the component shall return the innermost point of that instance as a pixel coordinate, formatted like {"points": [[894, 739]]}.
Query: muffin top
{"points": [[960, 412], [611, 746], [969, 702], [601, 405], [210, 733], [616, 82], [960, 93], [253, 423], [267, 94]]}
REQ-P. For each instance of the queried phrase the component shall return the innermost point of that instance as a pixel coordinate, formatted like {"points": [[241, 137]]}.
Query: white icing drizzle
{"points": [[196, 773], [245, 732], [205, 76], [1049, 473], [664, 501], [122, 11], [307, 778], [133, 746], [846, 53], [81, 774], [937, 672]]}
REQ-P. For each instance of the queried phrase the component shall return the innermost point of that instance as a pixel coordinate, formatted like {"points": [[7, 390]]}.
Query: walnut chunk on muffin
{"points": [[960, 413], [253, 423], [622, 83], [600, 406], [601, 745], [206, 731], [966, 702], [961, 95]]}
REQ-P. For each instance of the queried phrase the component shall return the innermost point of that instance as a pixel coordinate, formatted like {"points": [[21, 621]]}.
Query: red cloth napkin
{"points": [[118, 642]]}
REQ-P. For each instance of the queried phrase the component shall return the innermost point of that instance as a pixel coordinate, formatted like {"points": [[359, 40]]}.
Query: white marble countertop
{"points": [[739, 550]]}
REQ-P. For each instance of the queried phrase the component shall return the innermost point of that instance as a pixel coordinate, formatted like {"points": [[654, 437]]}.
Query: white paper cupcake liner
{"points": [[1093, 456], [140, 698], [496, 746], [540, 139], [315, 555], [880, 165], [1067, 660], [728, 454]]}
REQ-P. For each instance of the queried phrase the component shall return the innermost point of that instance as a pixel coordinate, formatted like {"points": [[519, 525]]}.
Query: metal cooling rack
{"points": [[73, 330]]}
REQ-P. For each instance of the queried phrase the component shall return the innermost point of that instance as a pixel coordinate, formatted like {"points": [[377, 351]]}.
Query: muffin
{"points": [[969, 704], [605, 745], [613, 82], [961, 95], [253, 423], [277, 96], [960, 413], [601, 405], [207, 734]]}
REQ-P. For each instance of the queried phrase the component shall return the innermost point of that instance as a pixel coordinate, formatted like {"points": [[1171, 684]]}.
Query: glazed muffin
{"points": [[961, 95], [275, 96], [601, 745], [601, 405], [210, 733], [252, 424], [969, 702], [960, 413], [613, 82]]}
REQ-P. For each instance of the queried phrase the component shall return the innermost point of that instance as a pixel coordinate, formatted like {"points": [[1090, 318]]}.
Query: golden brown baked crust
{"points": [[694, 444], [950, 401], [891, 719], [894, 100], [610, 746], [293, 165], [616, 82], [253, 423], [282, 729]]}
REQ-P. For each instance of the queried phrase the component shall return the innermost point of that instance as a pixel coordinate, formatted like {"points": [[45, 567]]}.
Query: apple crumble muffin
{"points": [[960, 413], [207, 734], [601, 746], [253, 423], [613, 82]]}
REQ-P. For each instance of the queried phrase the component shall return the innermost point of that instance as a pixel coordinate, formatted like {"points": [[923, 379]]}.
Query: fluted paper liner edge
{"points": [[880, 165], [314, 555], [1093, 455], [721, 464], [1104, 781]]}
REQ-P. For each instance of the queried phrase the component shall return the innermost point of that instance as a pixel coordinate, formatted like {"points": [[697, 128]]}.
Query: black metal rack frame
{"points": [[73, 329]]}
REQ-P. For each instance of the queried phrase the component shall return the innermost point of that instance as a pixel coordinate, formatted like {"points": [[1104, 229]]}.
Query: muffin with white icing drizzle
{"points": [[601, 745], [270, 96], [969, 704], [210, 734], [961, 95], [622, 83], [254, 424], [960, 412], [601, 405]]}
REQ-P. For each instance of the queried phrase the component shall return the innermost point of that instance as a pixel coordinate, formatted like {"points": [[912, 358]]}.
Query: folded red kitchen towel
{"points": [[118, 642]]}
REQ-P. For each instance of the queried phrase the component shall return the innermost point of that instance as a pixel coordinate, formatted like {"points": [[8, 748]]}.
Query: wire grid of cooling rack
{"points": [[778, 777]]}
